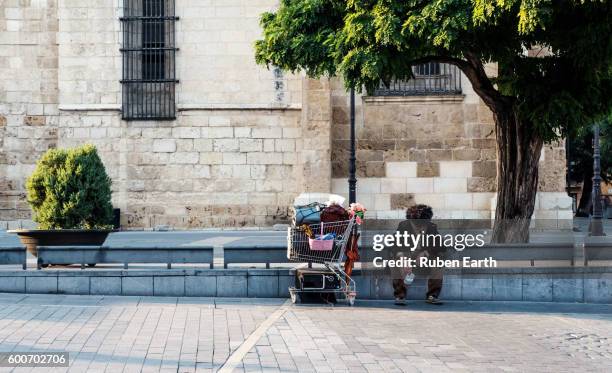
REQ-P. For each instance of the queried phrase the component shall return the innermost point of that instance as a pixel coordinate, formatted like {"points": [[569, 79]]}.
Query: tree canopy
{"points": [[554, 57]]}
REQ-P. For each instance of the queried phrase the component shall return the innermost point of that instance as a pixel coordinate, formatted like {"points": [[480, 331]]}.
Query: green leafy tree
{"points": [[70, 189], [553, 60]]}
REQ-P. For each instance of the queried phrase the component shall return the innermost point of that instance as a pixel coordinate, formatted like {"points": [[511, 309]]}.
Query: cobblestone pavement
{"points": [[134, 334]]}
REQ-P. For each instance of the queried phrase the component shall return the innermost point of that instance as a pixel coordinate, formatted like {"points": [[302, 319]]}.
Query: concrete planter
{"points": [[32, 238]]}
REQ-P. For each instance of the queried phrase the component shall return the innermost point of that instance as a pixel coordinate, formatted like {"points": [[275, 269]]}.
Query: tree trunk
{"points": [[586, 202], [584, 206], [518, 154]]}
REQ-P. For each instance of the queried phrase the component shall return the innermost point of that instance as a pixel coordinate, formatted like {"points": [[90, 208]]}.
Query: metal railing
{"points": [[277, 254], [431, 78]]}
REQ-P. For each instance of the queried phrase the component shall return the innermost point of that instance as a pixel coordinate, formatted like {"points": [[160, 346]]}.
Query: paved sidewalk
{"points": [[134, 334]]}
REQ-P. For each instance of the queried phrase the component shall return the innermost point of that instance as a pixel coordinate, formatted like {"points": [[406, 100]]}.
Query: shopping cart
{"points": [[336, 280]]}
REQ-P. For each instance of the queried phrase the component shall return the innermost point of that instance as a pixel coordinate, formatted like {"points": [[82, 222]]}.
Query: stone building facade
{"points": [[245, 139]]}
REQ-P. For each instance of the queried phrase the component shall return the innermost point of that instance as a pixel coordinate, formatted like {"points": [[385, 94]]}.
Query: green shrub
{"points": [[70, 189]]}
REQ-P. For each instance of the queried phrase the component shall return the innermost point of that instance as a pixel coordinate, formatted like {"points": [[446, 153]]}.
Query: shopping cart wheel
{"points": [[351, 299], [295, 297]]}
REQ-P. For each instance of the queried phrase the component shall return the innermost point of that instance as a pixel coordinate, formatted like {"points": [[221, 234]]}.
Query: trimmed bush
{"points": [[70, 189]]}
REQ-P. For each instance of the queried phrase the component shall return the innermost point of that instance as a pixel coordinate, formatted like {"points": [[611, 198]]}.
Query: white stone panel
{"points": [[456, 169], [458, 201], [382, 202], [450, 185], [401, 169], [420, 185], [393, 185]]}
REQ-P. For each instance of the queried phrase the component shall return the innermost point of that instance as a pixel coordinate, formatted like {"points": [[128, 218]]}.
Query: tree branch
{"points": [[473, 69]]}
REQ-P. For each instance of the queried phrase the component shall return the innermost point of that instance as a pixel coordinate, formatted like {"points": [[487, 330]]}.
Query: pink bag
{"points": [[320, 245]]}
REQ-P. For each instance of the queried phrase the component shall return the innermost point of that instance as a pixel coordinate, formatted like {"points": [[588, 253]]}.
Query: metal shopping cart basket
{"points": [[335, 280]]}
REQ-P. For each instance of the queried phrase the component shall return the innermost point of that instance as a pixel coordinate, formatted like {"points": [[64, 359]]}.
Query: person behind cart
{"points": [[418, 221]]}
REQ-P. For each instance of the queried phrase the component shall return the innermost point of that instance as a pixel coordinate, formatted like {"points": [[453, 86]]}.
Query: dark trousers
{"points": [[434, 285]]}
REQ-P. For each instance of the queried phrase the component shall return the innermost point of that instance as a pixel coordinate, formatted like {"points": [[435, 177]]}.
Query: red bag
{"points": [[334, 213]]}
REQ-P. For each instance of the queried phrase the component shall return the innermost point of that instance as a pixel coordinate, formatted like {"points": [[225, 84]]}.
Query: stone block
{"points": [[137, 285], [420, 185], [375, 169], [185, 158], [242, 132], [381, 202], [393, 185], [462, 169], [218, 121], [483, 143], [226, 145], [401, 201], [232, 286], [451, 288], [439, 155], [484, 169], [481, 184], [598, 288], [568, 288], [507, 287], [450, 185], [201, 286], [458, 201], [432, 200], [401, 169], [211, 158], [537, 288], [12, 285], [234, 158], [369, 185], [381, 287], [73, 285], [477, 287], [251, 145], [105, 285], [171, 286], [217, 132], [292, 133], [263, 158], [418, 289], [267, 133], [262, 286], [41, 285], [482, 201], [284, 145], [466, 154], [164, 146], [34, 120], [363, 286], [284, 282], [417, 155], [428, 169]]}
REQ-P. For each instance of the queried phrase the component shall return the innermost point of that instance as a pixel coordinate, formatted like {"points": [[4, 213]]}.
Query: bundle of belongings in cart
{"points": [[323, 226]]}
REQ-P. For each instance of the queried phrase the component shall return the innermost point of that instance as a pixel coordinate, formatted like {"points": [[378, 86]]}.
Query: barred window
{"points": [[149, 52], [431, 78]]}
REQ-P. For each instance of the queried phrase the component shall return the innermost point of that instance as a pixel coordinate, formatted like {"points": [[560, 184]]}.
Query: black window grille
{"points": [[431, 78], [149, 53]]}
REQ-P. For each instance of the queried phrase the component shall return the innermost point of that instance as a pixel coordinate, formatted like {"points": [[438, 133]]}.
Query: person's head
{"points": [[421, 212]]}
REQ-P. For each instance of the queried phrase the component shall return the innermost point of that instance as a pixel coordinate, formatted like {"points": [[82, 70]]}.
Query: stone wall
{"points": [[233, 156], [435, 150], [246, 140], [28, 97]]}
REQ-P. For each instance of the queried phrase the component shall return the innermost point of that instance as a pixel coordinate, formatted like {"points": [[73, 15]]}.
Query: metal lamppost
{"points": [[352, 180], [596, 226]]}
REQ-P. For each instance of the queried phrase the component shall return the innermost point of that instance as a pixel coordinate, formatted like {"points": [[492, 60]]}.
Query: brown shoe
{"points": [[400, 302], [433, 300]]}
